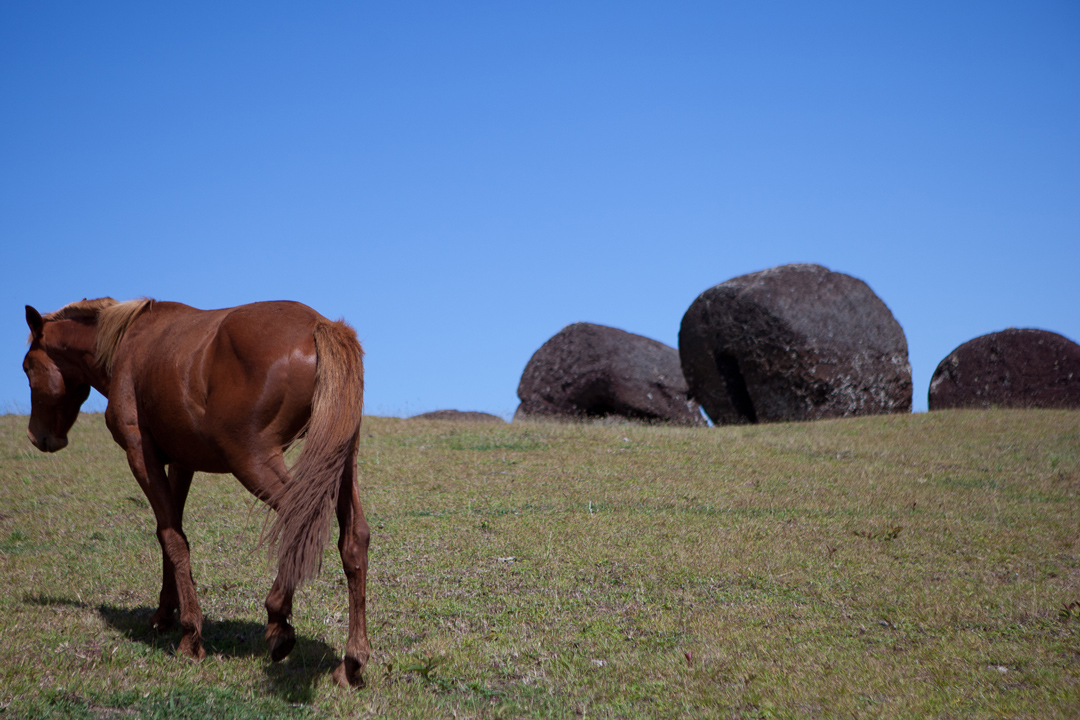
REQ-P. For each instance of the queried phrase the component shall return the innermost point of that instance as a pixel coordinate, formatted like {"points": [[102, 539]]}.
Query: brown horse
{"points": [[220, 391]]}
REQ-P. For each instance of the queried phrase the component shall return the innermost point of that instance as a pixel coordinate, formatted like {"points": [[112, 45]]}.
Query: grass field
{"points": [[899, 566]]}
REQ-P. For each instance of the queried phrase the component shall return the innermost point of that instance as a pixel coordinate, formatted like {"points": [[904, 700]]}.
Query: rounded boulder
{"points": [[795, 342], [1014, 368], [588, 371]]}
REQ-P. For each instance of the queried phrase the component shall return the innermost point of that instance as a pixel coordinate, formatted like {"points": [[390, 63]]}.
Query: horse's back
{"points": [[257, 336], [211, 381]]}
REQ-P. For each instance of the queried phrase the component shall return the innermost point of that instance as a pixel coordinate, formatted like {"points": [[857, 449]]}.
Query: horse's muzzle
{"points": [[48, 443]]}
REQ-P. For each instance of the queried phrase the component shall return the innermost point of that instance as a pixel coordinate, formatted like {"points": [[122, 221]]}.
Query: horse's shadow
{"points": [[293, 679]]}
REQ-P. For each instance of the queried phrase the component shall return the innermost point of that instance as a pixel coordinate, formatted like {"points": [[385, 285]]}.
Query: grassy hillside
{"points": [[921, 566]]}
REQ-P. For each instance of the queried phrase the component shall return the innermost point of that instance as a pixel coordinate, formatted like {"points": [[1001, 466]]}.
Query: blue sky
{"points": [[462, 180]]}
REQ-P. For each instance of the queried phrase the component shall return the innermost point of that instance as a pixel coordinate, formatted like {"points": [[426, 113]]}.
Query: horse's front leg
{"points": [[353, 546], [150, 472], [169, 600]]}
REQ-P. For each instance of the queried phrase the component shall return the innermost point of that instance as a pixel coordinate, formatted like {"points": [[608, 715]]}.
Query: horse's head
{"points": [[56, 393]]}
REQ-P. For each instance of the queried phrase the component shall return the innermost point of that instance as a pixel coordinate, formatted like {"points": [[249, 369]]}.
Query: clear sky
{"points": [[462, 180]]}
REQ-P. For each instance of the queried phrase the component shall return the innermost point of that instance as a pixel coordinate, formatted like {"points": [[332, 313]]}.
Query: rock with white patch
{"points": [[795, 342]]}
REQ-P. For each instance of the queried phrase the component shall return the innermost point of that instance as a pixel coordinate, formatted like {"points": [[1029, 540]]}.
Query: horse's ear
{"points": [[34, 320]]}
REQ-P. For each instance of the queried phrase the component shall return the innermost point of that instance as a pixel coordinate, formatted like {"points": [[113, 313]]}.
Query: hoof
{"points": [[281, 646], [163, 620], [350, 673], [281, 638], [191, 648]]}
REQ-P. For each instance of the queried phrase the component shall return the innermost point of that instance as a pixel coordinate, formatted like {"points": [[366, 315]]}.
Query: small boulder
{"points": [[1014, 368], [795, 342], [589, 370], [459, 416]]}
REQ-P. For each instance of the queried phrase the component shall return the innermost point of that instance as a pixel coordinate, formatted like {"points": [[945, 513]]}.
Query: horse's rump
{"points": [[306, 505]]}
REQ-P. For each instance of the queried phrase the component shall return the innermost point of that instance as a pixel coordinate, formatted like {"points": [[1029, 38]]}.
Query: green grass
{"points": [[897, 566]]}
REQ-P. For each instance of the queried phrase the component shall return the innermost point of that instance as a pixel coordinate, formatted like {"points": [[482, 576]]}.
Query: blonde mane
{"points": [[81, 310], [113, 321]]}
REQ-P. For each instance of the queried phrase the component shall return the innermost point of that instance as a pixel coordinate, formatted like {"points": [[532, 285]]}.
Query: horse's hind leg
{"points": [[280, 635], [169, 600], [265, 480], [353, 545]]}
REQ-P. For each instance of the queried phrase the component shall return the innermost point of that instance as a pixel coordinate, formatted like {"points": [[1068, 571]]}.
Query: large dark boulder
{"points": [[1012, 368], [459, 416], [796, 342], [591, 370]]}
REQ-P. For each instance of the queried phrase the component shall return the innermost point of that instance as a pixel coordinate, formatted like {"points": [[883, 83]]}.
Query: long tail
{"points": [[307, 504]]}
